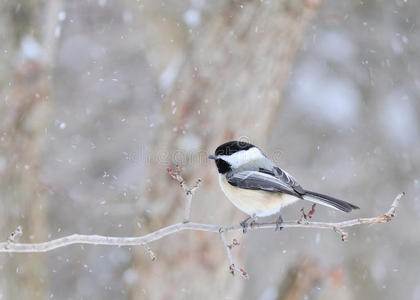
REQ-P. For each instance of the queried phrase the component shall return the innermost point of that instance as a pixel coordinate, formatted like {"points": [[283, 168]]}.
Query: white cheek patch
{"points": [[241, 157]]}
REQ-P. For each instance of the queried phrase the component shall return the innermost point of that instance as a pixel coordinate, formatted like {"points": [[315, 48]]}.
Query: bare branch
{"points": [[11, 246], [178, 227]]}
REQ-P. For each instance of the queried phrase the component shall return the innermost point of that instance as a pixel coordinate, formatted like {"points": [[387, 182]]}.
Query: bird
{"points": [[258, 187]]}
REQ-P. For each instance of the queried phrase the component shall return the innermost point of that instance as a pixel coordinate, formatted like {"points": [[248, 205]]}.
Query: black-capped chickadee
{"points": [[255, 185]]}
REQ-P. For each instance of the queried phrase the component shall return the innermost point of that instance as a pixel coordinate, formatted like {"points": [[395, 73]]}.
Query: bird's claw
{"points": [[247, 223], [278, 224], [244, 225]]}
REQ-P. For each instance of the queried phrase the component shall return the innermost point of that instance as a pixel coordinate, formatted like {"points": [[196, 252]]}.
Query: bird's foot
{"points": [[247, 223], [278, 223]]}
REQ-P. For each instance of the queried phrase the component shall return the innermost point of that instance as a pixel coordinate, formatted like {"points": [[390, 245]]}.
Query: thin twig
{"points": [[150, 252], [15, 235], [304, 218], [232, 268], [176, 175], [344, 235], [228, 253], [234, 244]]}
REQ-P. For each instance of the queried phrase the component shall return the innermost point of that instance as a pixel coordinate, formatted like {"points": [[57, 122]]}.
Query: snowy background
{"points": [[348, 125]]}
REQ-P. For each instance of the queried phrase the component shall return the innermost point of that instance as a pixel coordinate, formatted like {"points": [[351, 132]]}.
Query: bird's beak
{"points": [[212, 156]]}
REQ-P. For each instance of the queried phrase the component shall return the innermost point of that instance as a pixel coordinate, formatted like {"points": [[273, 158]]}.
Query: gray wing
{"points": [[261, 180], [287, 178]]}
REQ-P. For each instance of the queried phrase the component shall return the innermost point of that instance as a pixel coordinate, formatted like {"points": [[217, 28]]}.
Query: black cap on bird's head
{"points": [[228, 149]]}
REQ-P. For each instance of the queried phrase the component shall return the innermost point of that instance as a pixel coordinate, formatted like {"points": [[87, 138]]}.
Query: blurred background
{"points": [[99, 97]]}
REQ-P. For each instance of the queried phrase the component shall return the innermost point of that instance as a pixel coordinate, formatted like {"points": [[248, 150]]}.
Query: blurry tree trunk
{"points": [[230, 86], [308, 280], [25, 86], [301, 280]]}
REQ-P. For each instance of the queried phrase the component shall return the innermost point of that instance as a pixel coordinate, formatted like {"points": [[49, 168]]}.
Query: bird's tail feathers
{"points": [[329, 201]]}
